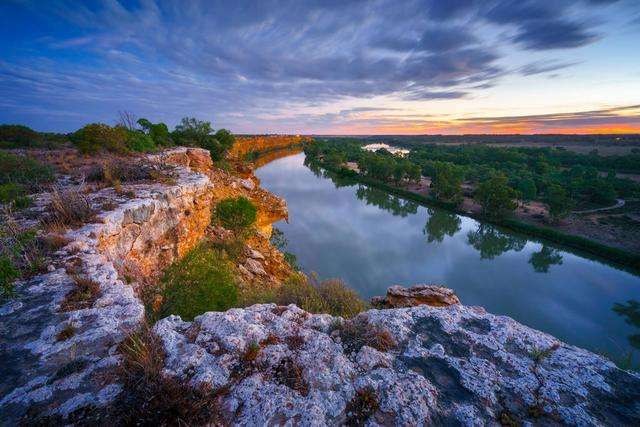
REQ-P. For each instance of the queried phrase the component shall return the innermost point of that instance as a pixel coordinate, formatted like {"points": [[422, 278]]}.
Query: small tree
{"points": [[447, 183], [496, 197], [236, 214], [527, 187], [560, 204]]}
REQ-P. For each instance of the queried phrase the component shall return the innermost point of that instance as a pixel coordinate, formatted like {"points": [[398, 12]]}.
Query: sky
{"points": [[325, 66]]}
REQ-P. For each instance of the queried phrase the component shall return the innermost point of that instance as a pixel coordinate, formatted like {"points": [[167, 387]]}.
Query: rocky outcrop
{"points": [[452, 365], [400, 297], [58, 357]]}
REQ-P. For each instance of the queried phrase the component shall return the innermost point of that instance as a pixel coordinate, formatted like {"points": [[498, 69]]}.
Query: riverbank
{"points": [[585, 247]]}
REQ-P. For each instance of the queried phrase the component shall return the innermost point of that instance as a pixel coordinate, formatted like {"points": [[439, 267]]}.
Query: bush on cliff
{"points": [[236, 214], [198, 133], [202, 281], [95, 137]]}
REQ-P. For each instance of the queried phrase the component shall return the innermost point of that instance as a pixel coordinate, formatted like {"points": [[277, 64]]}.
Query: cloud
{"points": [[544, 66], [244, 59]]}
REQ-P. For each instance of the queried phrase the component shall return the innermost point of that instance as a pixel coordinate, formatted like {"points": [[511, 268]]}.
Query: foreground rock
{"points": [[400, 297], [412, 366]]}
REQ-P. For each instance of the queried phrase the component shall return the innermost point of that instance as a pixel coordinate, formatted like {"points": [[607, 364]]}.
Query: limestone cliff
{"points": [[260, 143]]}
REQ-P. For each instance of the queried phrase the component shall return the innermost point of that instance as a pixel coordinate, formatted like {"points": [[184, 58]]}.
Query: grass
{"points": [[69, 206], [14, 194], [357, 333], [201, 281], [66, 333], [150, 396], [330, 296], [84, 294]]}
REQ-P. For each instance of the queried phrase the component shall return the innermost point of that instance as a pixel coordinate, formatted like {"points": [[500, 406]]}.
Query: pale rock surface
{"points": [[52, 376], [453, 365]]}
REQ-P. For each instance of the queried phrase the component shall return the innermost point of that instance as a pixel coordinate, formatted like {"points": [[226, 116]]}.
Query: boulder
{"points": [[399, 296]]}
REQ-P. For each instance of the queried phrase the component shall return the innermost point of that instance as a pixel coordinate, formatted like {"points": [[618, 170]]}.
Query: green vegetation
{"points": [[496, 197], [330, 296], [201, 281], [20, 254], [14, 194], [533, 173], [236, 214], [197, 133], [95, 137], [280, 242], [24, 171]]}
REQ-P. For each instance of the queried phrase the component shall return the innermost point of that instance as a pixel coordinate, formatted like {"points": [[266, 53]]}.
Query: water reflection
{"points": [[440, 223], [630, 310], [545, 258], [388, 202], [491, 242]]}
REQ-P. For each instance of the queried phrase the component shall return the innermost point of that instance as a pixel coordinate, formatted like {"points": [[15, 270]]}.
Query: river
{"points": [[373, 240]]}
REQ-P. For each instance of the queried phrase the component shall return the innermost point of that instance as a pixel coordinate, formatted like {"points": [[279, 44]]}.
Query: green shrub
{"points": [[14, 193], [8, 274], [340, 300], [95, 137], [18, 136], [236, 214], [23, 171], [202, 281], [159, 132], [297, 290], [330, 296], [140, 142]]}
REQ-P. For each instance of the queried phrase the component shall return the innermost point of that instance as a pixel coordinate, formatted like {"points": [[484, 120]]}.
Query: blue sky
{"points": [[415, 66]]}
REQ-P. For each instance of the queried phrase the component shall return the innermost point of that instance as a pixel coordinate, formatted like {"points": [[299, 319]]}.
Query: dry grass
{"points": [[340, 299], [358, 332], [66, 333], [83, 295], [70, 206], [54, 241], [152, 398], [363, 405], [290, 374]]}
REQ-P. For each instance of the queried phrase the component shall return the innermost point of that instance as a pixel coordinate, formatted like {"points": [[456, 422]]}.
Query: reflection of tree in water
{"points": [[441, 223], [396, 205], [630, 310], [545, 258], [491, 242]]}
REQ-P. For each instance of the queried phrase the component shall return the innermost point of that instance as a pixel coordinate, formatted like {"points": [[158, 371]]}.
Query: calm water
{"points": [[373, 240]]}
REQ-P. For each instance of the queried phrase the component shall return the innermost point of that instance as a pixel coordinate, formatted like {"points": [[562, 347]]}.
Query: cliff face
{"points": [[248, 144]]}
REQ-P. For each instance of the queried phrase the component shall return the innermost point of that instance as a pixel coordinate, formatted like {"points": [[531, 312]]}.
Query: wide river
{"points": [[373, 240]]}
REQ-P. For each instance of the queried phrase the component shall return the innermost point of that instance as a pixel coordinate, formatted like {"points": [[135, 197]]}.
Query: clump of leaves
{"points": [[201, 281], [340, 299], [96, 137], [20, 253]]}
